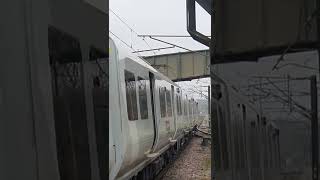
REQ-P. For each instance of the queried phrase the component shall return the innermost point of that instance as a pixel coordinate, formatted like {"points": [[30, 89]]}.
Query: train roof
{"points": [[124, 53]]}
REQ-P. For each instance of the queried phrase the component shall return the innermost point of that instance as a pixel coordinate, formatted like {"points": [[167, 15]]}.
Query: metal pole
{"points": [[314, 127]]}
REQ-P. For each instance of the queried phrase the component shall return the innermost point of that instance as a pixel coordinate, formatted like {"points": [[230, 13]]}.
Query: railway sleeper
{"points": [[154, 169]]}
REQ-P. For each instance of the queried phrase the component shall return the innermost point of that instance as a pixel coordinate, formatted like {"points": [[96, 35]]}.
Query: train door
{"points": [[145, 124], [69, 106], [159, 105], [174, 110], [190, 113], [98, 76], [153, 107], [178, 118], [116, 138], [140, 124], [170, 110], [186, 113]]}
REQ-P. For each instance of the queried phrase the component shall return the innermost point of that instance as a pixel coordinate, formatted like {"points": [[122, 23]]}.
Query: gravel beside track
{"points": [[193, 163]]}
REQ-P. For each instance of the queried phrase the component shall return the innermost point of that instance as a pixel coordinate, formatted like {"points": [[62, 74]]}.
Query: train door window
{"points": [[178, 99], [172, 97], [71, 131], [197, 108], [143, 101], [179, 105], [100, 95], [131, 96], [162, 99], [169, 107]]}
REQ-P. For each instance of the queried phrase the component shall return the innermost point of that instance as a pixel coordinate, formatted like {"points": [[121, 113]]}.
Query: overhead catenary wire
{"points": [[167, 36], [178, 46], [154, 49], [123, 42], [131, 29]]}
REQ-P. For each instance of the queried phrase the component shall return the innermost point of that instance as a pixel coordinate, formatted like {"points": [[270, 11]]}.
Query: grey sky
{"points": [[155, 17]]}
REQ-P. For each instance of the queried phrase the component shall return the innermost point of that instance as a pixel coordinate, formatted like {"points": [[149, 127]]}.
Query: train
{"points": [[55, 111], [147, 128], [245, 143], [150, 117]]}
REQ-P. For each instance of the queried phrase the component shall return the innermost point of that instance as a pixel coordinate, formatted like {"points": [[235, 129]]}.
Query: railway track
{"points": [[193, 163], [199, 133], [203, 133], [170, 164]]}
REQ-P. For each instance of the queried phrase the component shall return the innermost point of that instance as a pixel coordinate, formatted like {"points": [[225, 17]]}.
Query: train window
{"points": [[162, 97], [131, 95], [169, 108], [143, 101]]}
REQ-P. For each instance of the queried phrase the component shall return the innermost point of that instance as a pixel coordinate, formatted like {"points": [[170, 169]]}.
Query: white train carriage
{"points": [[146, 114]]}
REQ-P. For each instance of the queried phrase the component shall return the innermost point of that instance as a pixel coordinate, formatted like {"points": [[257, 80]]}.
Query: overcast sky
{"points": [[165, 17]]}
